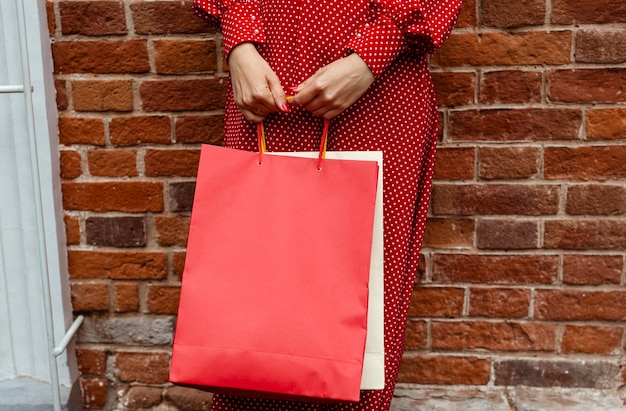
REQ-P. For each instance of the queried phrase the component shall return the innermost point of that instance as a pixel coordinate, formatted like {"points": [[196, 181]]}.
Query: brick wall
{"points": [[523, 268]]}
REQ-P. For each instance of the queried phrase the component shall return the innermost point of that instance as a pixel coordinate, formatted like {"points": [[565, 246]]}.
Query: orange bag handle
{"points": [[322, 152]]}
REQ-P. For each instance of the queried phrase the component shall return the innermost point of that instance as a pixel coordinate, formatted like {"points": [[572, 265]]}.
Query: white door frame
{"points": [[34, 286]]}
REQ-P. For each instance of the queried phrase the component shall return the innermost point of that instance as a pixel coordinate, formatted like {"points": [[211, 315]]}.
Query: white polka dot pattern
{"points": [[397, 115]]}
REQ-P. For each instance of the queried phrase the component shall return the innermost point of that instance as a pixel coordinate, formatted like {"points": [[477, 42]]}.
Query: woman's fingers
{"points": [[335, 87]]}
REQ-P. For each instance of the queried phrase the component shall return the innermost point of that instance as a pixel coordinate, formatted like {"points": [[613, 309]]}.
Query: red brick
{"points": [[112, 163], [467, 17], [103, 95], [454, 89], [555, 373], [117, 265], [601, 46], [50, 18], [72, 230], [172, 230], [528, 124], [91, 361], [449, 232], [585, 163], [127, 131], [499, 302], [143, 367], [92, 18], [440, 370], [507, 234], [416, 335], [94, 391], [140, 397], [128, 196], [101, 56], [592, 340], [578, 305], [181, 195], [495, 199], [80, 130], [167, 17], [434, 302], [606, 124], [505, 49], [200, 129], [509, 87], [61, 94], [508, 162], [126, 297], [601, 85], [116, 231], [183, 95], [163, 299], [455, 163], [182, 163], [189, 399], [70, 163], [185, 56], [90, 296], [513, 13], [501, 336], [586, 234], [596, 199], [178, 264], [495, 269], [588, 12], [592, 269]]}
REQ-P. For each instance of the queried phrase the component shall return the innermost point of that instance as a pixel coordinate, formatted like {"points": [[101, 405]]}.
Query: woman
{"points": [[363, 64]]}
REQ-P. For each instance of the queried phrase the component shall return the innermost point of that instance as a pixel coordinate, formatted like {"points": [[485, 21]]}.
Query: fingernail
{"points": [[286, 108], [292, 88]]}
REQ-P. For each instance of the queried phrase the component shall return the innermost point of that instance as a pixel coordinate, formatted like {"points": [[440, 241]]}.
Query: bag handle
{"points": [[263, 145]]}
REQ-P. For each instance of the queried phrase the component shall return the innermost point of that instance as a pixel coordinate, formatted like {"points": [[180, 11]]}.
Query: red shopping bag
{"points": [[275, 286]]}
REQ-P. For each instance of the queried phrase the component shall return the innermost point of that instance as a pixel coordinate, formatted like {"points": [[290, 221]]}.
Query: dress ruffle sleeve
{"points": [[240, 21], [398, 25]]}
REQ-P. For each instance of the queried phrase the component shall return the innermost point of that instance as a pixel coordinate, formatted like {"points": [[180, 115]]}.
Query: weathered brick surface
{"points": [[142, 367], [126, 297], [112, 163], [81, 130], [125, 131], [444, 370], [102, 95], [436, 302], [505, 163], [479, 335], [514, 124], [116, 231], [557, 373], [92, 18], [507, 234], [101, 57], [94, 391], [592, 270], [90, 296], [499, 302], [495, 269], [523, 253]]}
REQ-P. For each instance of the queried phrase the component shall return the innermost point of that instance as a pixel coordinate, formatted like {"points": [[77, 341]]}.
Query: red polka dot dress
{"points": [[397, 115]]}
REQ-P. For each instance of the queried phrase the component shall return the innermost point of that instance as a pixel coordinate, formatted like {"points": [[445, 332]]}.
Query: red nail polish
{"points": [[286, 108]]}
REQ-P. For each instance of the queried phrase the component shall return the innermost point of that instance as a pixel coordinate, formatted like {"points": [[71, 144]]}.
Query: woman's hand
{"points": [[334, 87], [256, 88]]}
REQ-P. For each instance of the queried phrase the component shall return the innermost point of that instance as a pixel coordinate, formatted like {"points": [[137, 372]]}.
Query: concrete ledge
{"points": [[411, 398], [24, 394]]}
